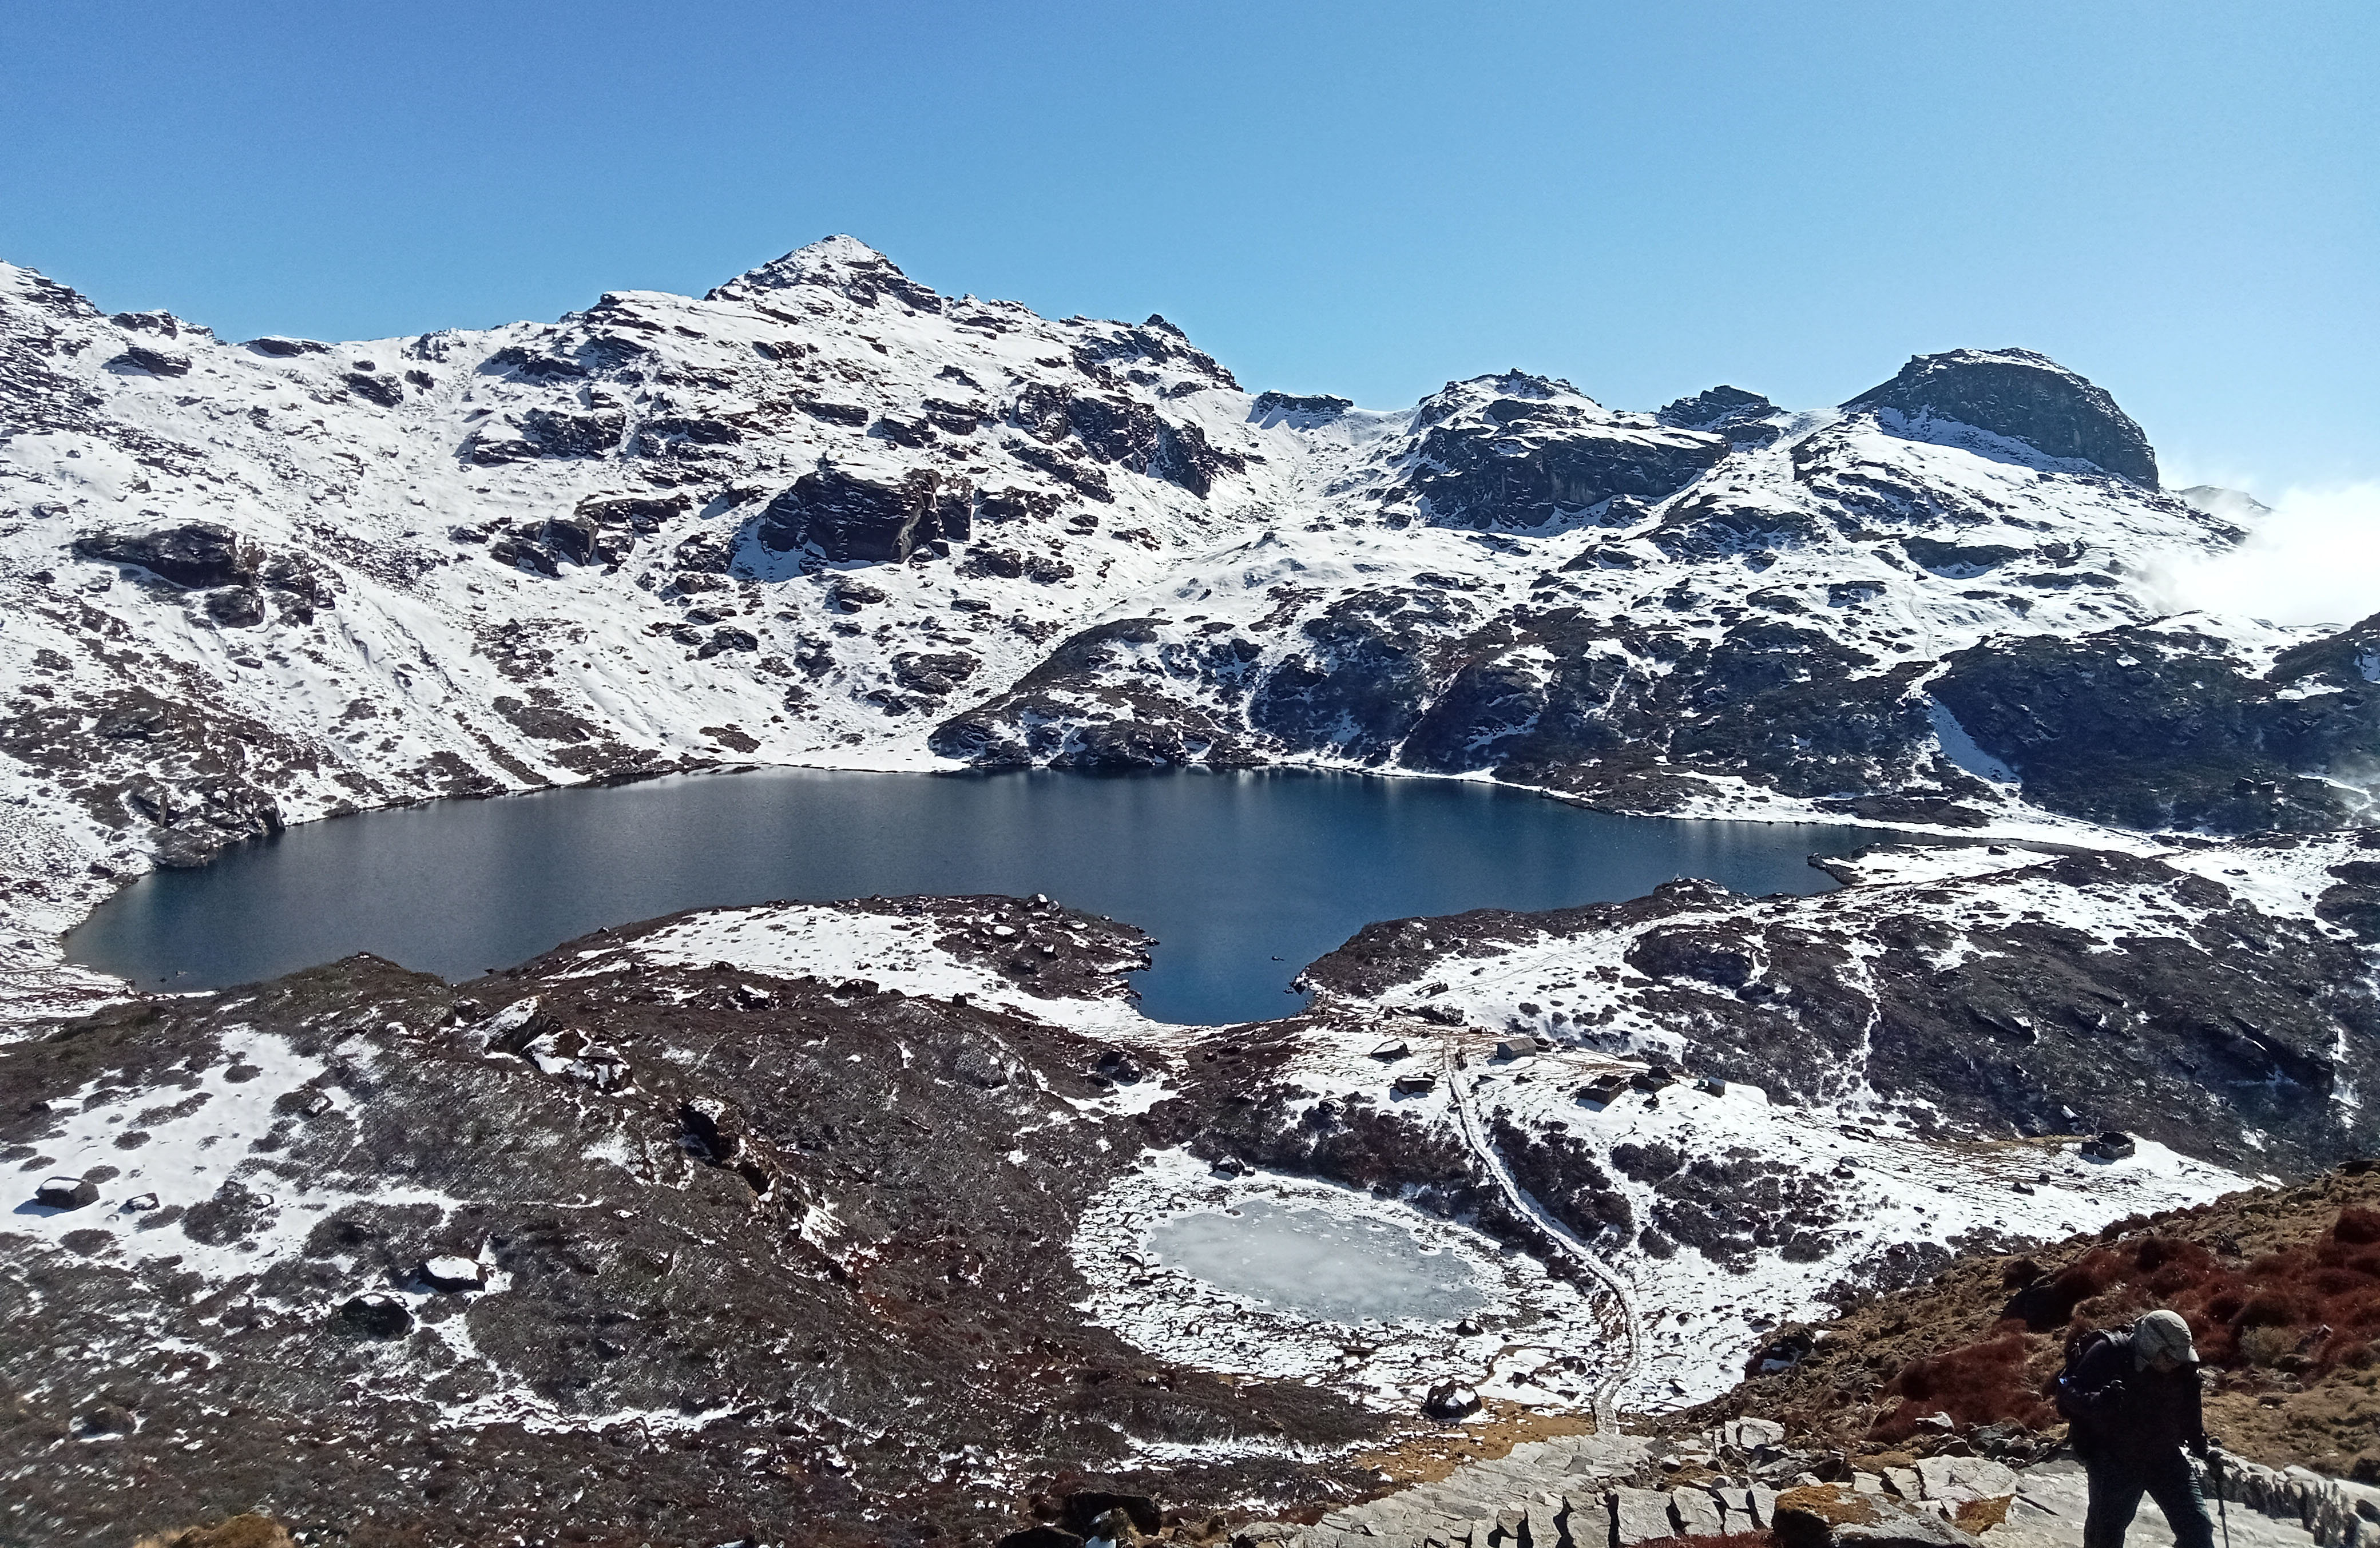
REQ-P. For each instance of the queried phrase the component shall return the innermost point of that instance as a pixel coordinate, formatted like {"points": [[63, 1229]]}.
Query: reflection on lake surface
{"points": [[1243, 877], [1302, 1260]]}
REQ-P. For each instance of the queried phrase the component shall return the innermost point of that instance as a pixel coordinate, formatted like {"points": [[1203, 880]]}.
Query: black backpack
{"points": [[2066, 1391]]}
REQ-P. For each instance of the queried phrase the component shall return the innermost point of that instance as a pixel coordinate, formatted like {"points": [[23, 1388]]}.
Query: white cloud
{"points": [[2314, 559]]}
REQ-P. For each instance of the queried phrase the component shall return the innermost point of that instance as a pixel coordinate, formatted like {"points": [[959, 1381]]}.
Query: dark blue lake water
{"points": [[1244, 877]]}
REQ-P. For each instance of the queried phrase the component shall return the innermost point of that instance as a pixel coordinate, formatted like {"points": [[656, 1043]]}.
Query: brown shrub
{"points": [[2357, 1225], [251, 1531], [2316, 1307], [1977, 1384]]}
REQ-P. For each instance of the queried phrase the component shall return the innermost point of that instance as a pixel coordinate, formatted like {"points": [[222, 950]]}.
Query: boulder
{"points": [[1639, 1516], [237, 607], [1452, 1400], [1749, 1433], [639, 513], [573, 537], [374, 1317], [1590, 1520], [284, 348], [196, 554], [1697, 1513], [2021, 395], [157, 362], [1083, 1511], [1960, 1478], [1834, 1515], [727, 639], [452, 1273], [67, 1192], [385, 390]]}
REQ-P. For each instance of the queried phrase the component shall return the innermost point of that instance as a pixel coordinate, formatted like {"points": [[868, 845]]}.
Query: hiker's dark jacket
{"points": [[2126, 1413]]}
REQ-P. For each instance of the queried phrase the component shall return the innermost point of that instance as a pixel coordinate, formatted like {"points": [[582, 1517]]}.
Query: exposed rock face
{"points": [[1119, 430], [845, 516], [2150, 727], [1516, 450], [2021, 395], [1739, 416], [199, 553], [1303, 410]]}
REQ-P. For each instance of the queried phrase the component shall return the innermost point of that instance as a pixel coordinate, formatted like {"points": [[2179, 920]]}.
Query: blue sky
{"points": [[2180, 200]]}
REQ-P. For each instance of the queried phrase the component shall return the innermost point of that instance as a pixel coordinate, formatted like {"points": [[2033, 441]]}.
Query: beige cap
{"points": [[2163, 1332]]}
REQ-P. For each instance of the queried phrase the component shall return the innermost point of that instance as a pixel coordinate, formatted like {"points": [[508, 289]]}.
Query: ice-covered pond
{"points": [[1324, 1265]]}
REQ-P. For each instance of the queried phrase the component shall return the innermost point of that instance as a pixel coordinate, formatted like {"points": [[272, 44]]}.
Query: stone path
{"points": [[1611, 1491], [2047, 1513]]}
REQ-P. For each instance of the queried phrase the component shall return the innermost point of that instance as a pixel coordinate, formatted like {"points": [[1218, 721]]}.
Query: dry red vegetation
{"points": [[2307, 1309]]}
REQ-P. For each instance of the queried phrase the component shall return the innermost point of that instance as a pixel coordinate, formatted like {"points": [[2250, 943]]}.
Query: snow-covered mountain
{"points": [[826, 515]]}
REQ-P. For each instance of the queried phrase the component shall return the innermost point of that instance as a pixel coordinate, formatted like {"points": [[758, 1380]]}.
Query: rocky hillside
{"points": [[2281, 1287], [850, 1215]]}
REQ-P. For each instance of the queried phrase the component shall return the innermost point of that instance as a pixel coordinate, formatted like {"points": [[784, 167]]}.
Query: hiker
{"points": [[2132, 1397]]}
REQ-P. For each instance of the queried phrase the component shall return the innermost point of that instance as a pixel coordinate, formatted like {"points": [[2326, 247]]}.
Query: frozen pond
{"points": [[1243, 877], [1324, 1265]]}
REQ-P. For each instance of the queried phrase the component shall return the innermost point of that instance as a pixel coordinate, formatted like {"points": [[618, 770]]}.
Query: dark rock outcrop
{"points": [[385, 390], [1532, 453], [156, 362], [1739, 416], [1299, 411], [845, 516], [2162, 729], [2023, 396], [1124, 432], [237, 607], [195, 554]]}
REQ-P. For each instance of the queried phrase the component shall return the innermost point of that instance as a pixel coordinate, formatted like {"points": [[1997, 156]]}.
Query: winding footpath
{"points": [[1625, 1326]]}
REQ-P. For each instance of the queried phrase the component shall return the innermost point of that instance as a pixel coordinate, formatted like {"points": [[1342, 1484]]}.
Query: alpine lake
{"points": [[1243, 877]]}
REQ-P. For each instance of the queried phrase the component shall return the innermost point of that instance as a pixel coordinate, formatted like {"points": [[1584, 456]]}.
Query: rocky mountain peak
{"points": [[1731, 411], [2025, 396], [2230, 505], [841, 264]]}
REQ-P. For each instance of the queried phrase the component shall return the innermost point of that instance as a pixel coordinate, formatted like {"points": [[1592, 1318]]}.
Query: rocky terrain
{"points": [[838, 1222], [843, 1213]]}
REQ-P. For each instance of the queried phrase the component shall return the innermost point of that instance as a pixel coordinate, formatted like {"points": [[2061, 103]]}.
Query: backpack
{"points": [[2065, 1389]]}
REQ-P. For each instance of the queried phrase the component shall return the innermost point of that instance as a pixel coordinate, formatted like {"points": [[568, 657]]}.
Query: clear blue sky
{"points": [[2179, 199]]}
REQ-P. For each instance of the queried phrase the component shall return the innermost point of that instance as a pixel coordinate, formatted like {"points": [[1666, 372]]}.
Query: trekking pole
{"points": [[2222, 1506]]}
